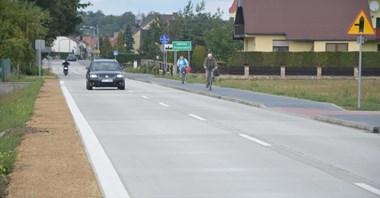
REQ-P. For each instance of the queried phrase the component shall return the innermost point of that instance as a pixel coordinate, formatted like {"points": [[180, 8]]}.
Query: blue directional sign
{"points": [[164, 39]]}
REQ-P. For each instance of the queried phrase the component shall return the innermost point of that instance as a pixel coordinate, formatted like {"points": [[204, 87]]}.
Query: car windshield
{"points": [[105, 66]]}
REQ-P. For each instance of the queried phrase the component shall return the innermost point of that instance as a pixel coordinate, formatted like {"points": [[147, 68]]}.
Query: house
{"points": [[64, 44], [299, 25], [146, 23], [233, 9]]}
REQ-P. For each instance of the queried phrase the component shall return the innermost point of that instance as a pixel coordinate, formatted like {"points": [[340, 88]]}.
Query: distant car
{"points": [[71, 57], [105, 73]]}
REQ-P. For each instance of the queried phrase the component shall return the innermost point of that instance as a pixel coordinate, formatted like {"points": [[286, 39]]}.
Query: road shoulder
{"points": [[52, 161]]}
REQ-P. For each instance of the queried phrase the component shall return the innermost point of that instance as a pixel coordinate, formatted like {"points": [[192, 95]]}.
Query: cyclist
{"points": [[182, 64], [209, 64]]}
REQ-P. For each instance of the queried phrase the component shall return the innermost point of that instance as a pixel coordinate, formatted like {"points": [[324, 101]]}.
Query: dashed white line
{"points": [[163, 104], [255, 140], [197, 117], [146, 97], [130, 91], [368, 188]]}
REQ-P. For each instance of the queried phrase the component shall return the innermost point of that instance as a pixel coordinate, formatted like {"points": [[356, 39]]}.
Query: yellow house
{"points": [[145, 25], [299, 25]]}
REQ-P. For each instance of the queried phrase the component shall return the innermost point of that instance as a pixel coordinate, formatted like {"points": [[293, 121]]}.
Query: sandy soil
{"points": [[52, 161]]}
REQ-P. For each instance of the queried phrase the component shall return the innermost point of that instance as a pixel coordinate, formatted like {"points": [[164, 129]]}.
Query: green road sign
{"points": [[182, 46]]}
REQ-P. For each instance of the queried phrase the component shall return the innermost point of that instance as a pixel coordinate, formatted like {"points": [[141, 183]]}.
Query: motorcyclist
{"points": [[65, 64]]}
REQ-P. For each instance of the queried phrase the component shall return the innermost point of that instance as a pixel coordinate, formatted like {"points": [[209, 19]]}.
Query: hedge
{"points": [[305, 59], [126, 58]]}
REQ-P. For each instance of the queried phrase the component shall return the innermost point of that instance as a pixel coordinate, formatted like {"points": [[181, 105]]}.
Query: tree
{"points": [[65, 16], [21, 24], [120, 41], [106, 49], [199, 56], [150, 47], [219, 39], [128, 39]]}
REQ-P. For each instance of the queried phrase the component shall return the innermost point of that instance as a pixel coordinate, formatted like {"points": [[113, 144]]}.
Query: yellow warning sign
{"points": [[361, 25]]}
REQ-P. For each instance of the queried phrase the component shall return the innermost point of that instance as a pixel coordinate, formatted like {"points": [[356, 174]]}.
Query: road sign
{"points": [[164, 39], [115, 53], [40, 44], [361, 26], [182, 46], [168, 47]]}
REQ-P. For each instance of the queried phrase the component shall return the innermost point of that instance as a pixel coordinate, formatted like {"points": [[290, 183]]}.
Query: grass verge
{"points": [[15, 109], [343, 93]]}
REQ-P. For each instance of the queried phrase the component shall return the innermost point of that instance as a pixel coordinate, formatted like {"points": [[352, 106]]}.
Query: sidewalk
{"points": [[327, 112]]}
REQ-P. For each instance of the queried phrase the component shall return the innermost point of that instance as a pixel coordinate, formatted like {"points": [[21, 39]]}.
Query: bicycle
{"points": [[183, 76], [214, 72]]}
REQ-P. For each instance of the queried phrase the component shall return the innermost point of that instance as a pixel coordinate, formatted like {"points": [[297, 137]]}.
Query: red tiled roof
{"points": [[303, 19], [233, 6]]}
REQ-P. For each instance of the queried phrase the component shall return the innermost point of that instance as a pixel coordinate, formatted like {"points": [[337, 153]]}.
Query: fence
{"points": [[283, 72], [5, 69], [159, 66]]}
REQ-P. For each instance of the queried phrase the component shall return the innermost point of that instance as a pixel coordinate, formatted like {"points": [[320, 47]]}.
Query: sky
{"points": [[119, 7]]}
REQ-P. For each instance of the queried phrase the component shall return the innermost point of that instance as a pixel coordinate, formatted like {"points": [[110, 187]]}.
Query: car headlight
{"points": [[120, 76], [93, 76]]}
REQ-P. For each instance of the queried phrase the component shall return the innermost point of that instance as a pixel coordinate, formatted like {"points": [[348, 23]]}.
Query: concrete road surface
{"points": [[167, 143]]}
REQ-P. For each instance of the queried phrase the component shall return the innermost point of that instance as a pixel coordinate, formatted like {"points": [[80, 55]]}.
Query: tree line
{"points": [[24, 21], [208, 32]]}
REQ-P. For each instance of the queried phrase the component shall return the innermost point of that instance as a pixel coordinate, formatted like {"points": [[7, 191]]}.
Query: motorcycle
{"points": [[65, 68]]}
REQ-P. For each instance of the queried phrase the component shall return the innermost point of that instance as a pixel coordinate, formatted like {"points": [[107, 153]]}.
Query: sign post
{"points": [[361, 26], [164, 39], [39, 45]]}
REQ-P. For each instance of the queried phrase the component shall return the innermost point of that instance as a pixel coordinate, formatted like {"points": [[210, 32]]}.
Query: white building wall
{"points": [[65, 45]]}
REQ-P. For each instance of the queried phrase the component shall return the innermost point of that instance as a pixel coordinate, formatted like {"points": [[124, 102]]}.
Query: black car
{"points": [[105, 73], [71, 57]]}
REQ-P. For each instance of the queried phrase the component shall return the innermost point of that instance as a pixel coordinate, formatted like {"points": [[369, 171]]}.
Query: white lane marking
{"points": [[110, 183], [369, 188], [255, 140], [130, 91], [197, 117], [163, 104], [146, 97]]}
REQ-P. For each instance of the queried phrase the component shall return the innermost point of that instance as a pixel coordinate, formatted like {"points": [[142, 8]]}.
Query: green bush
{"points": [[370, 60], [125, 58], [199, 56]]}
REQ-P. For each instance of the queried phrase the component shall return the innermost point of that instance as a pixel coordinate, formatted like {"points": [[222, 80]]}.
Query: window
{"points": [[280, 46], [336, 47]]}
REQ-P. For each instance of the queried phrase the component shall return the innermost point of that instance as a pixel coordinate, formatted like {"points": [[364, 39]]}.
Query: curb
{"points": [[360, 126], [365, 127]]}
